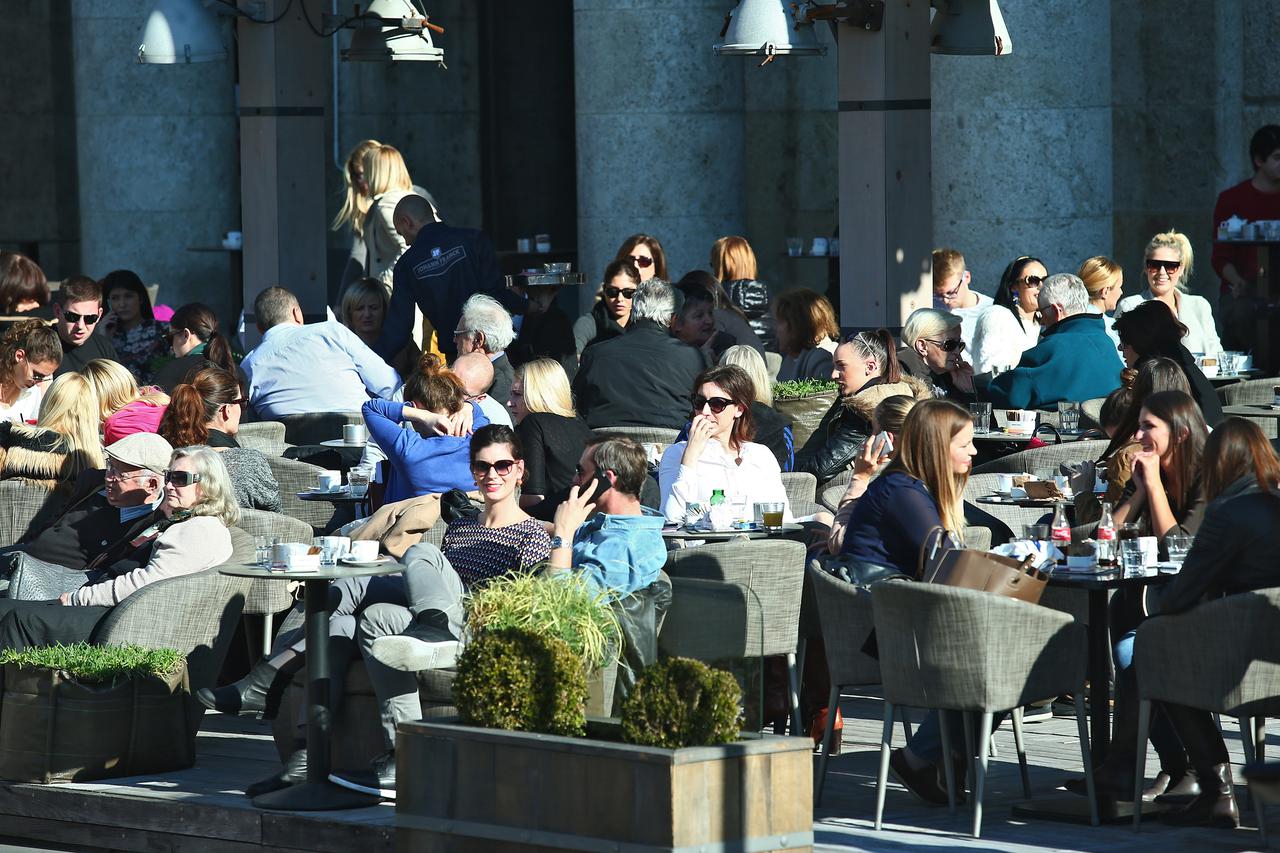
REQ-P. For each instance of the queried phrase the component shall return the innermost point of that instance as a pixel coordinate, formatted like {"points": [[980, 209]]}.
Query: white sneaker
{"points": [[410, 654]]}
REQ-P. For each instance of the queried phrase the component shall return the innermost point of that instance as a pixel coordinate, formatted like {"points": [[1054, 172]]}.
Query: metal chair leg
{"points": [[833, 702], [793, 685], [1086, 755], [984, 745], [966, 720], [1250, 747], [1021, 748], [267, 620], [1140, 768], [948, 763], [882, 778]]}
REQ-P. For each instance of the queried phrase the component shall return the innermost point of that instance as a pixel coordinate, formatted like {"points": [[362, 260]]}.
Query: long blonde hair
{"points": [[732, 259], [741, 355], [546, 387], [70, 408], [1177, 241], [114, 387], [924, 452], [355, 204]]}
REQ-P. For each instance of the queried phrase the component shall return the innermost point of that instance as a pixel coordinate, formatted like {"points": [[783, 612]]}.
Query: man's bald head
{"points": [[411, 213], [476, 372]]}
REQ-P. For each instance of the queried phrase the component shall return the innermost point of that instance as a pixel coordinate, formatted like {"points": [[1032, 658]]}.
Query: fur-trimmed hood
{"points": [[32, 453], [864, 403]]}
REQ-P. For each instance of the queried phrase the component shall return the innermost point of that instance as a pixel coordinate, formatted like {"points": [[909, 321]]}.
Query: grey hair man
{"points": [[1075, 360], [643, 377], [485, 327]]}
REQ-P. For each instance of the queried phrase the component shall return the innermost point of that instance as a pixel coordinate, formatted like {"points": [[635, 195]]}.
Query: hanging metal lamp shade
{"points": [[180, 31], [767, 28], [970, 28], [393, 43]]}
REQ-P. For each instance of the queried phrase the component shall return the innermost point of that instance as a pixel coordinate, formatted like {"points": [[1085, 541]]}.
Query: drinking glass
{"points": [[1068, 416], [741, 510], [795, 246], [981, 414], [1035, 532], [771, 514], [358, 480], [1177, 545], [1131, 560], [262, 550]]}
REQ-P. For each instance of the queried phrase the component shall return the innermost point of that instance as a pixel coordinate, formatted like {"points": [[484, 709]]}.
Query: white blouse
{"points": [[1000, 340], [758, 477], [26, 408]]}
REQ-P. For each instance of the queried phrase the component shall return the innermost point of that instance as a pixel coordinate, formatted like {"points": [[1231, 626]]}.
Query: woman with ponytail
{"points": [[433, 456], [866, 369], [1168, 266], [207, 411], [196, 344]]}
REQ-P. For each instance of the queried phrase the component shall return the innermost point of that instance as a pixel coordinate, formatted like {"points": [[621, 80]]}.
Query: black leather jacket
{"points": [[835, 443]]}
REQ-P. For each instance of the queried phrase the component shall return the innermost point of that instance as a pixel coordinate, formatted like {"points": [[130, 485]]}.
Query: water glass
{"points": [[358, 481], [1177, 545], [1131, 558], [795, 246], [262, 550], [1068, 416], [741, 510], [981, 413], [771, 515]]}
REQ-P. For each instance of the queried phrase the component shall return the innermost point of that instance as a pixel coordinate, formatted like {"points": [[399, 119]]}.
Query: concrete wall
{"points": [[157, 158]]}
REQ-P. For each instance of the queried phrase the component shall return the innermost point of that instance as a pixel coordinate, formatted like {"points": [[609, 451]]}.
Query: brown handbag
{"points": [[979, 570]]}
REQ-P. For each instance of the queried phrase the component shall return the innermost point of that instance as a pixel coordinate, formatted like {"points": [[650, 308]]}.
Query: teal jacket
{"points": [[1075, 360], [621, 553]]}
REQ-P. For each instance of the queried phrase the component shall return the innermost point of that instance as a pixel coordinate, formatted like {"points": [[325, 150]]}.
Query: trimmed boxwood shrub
{"points": [[515, 679], [681, 702]]}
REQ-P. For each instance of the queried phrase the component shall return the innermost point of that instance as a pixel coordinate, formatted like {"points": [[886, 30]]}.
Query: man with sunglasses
{"points": [[951, 292], [1075, 359], [76, 311]]}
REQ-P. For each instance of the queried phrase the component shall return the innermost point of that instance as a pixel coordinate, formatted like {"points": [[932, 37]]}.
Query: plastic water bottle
{"points": [[1106, 537]]}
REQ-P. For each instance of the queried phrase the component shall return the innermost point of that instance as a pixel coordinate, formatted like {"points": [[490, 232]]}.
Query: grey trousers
{"points": [[347, 597], [430, 583]]}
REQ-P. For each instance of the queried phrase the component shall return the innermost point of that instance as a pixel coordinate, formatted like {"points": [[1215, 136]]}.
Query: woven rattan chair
{"points": [[266, 437], [293, 477], [642, 434], [1029, 461], [1232, 667], [772, 572], [1248, 391], [267, 598], [23, 508], [315, 427], [955, 649], [801, 492], [1004, 520]]}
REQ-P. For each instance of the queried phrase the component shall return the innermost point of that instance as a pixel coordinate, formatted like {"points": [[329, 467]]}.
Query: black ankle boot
{"points": [[257, 694], [294, 772], [1179, 791], [1216, 805]]}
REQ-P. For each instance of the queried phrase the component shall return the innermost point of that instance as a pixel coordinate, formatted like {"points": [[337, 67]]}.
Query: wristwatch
{"points": [[558, 542]]}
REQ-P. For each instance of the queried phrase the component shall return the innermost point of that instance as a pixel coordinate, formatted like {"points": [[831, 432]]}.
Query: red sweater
{"points": [[1248, 202]]}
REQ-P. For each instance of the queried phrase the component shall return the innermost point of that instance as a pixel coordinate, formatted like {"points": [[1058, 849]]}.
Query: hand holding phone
{"points": [[882, 445]]}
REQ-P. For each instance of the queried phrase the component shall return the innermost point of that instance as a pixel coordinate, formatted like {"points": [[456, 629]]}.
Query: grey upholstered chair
{"points": [[831, 495], [293, 477], [801, 492], [642, 434], [1233, 667], [22, 506], [266, 437], [1028, 461], [1091, 413], [947, 648], [1005, 521], [1252, 391], [772, 573], [266, 598], [315, 427]]}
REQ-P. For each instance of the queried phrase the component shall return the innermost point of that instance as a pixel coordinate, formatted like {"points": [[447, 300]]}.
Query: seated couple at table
{"points": [[409, 622], [168, 514]]}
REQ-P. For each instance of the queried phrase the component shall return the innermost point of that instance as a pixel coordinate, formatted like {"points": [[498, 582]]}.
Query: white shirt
{"points": [[26, 407], [999, 340], [969, 317], [758, 478], [493, 410], [1194, 312]]}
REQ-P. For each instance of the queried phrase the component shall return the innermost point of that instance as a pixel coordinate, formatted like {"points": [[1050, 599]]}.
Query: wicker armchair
{"points": [[766, 617], [642, 434], [315, 427], [1248, 391], [267, 437], [802, 491], [954, 649], [293, 477], [1028, 461], [1233, 667], [1005, 521], [23, 505], [266, 598]]}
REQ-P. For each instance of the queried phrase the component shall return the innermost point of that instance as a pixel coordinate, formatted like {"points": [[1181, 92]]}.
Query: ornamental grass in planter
{"points": [[804, 401], [81, 712]]}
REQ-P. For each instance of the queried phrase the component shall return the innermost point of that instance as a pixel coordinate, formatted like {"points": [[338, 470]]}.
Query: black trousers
{"points": [[29, 624]]}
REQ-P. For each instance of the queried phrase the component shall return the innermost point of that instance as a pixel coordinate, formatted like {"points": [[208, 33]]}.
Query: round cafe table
{"points": [[725, 535], [317, 793]]}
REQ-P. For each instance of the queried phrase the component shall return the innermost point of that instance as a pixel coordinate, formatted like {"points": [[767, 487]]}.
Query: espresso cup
{"points": [[327, 481], [363, 550]]}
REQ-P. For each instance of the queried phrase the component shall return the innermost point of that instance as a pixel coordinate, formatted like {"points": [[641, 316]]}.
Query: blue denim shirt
{"points": [[622, 553]]}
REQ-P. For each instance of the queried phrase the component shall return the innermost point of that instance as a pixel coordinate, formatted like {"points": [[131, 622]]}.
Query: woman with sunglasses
{"points": [[645, 253], [1168, 265], [207, 411], [1001, 337], [196, 343], [932, 351], [192, 535], [805, 325], [719, 453], [30, 352], [612, 312], [1149, 331], [431, 457], [123, 406]]}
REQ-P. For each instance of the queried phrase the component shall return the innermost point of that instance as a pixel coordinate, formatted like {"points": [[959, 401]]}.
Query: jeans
{"points": [[926, 741]]}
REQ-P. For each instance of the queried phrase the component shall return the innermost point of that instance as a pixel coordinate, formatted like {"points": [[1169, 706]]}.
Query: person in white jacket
{"points": [[1168, 266], [1001, 337]]}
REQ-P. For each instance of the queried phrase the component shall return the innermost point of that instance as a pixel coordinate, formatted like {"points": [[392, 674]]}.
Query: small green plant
{"points": [[795, 389], [681, 702], [567, 606], [515, 679], [90, 663]]}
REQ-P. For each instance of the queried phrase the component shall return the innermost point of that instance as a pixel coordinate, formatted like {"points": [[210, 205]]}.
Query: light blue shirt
{"points": [[319, 367]]}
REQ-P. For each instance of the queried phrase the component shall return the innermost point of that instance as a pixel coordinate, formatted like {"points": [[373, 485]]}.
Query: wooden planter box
{"points": [[471, 789]]}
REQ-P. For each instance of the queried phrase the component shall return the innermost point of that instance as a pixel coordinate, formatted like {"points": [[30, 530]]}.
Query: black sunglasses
{"points": [[502, 466], [717, 404], [73, 317], [615, 292], [949, 345], [641, 261], [1167, 266], [182, 478], [1032, 280]]}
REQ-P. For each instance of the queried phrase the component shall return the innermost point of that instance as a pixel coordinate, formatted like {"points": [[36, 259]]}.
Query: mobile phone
{"points": [[881, 444], [602, 485]]}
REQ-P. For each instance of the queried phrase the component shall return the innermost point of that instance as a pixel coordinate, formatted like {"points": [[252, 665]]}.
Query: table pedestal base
{"points": [[315, 797], [1071, 808]]}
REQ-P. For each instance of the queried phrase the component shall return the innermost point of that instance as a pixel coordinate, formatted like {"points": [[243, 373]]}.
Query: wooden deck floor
{"points": [[203, 810]]}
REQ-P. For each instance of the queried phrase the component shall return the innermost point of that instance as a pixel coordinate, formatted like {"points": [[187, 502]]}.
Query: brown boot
{"points": [[1216, 805]]}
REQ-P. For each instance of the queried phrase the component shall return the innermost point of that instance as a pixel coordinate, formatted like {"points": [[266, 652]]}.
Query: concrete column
{"points": [[1022, 144], [156, 158], [659, 130]]}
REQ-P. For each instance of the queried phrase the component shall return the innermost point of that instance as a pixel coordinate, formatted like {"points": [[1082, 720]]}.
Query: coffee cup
{"points": [[819, 246], [354, 433], [1004, 483], [327, 481], [363, 550]]}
